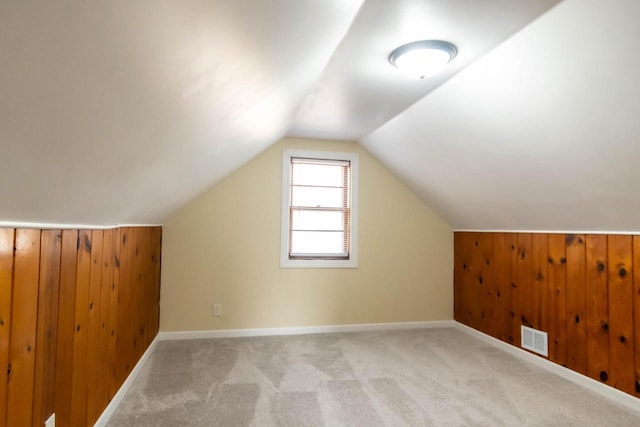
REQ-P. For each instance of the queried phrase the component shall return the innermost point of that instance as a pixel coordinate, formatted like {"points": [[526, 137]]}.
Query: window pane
{"points": [[317, 220], [313, 174], [317, 242], [317, 197]]}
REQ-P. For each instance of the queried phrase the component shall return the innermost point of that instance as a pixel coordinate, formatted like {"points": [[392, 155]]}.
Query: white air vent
{"points": [[534, 340]]}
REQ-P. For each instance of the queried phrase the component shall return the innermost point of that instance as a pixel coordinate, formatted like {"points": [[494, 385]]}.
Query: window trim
{"points": [[285, 261]]}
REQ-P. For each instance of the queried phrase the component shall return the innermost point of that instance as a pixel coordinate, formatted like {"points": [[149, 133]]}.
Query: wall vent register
{"points": [[534, 340]]}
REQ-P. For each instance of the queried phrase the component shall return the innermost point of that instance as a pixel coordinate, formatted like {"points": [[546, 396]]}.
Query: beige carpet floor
{"points": [[430, 377]]}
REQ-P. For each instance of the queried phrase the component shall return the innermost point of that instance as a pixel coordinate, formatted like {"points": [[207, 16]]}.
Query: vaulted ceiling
{"points": [[542, 133], [121, 112]]}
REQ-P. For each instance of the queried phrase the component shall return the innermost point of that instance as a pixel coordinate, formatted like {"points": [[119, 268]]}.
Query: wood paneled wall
{"points": [[583, 290], [78, 308]]}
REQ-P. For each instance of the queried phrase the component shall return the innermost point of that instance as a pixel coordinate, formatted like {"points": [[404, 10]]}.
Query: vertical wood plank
{"points": [[80, 363], [514, 271], [23, 327], [138, 313], [66, 327], [102, 385], [113, 314], [502, 295], [6, 281], [93, 325], [140, 292], [475, 281], [465, 283], [458, 256], [143, 286], [523, 280], [557, 299], [140, 278], [597, 314], [124, 347], [52, 325], [47, 325], [576, 303], [486, 284], [515, 291], [636, 310], [512, 330], [540, 251], [149, 288], [621, 337], [156, 259]]}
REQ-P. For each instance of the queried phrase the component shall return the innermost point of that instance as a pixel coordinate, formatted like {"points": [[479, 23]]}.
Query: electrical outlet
{"points": [[217, 310], [51, 422]]}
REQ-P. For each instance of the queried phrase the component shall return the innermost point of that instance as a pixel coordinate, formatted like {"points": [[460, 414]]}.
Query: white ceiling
{"points": [[360, 90], [121, 112], [541, 133]]}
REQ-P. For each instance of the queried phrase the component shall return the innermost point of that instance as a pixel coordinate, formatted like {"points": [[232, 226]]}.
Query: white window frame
{"points": [[285, 261]]}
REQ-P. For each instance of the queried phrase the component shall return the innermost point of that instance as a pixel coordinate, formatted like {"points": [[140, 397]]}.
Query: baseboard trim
{"points": [[363, 327], [604, 390], [117, 398]]}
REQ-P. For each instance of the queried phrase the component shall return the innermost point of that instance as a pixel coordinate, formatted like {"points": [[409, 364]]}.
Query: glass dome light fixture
{"points": [[423, 58]]}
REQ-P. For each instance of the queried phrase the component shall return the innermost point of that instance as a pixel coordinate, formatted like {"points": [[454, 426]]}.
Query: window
{"points": [[319, 209]]}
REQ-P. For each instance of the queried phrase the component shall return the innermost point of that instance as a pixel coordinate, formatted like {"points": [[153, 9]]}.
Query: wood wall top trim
{"points": [[625, 233], [47, 226]]}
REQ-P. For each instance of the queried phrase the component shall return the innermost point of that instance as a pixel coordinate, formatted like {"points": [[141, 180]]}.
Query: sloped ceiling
{"points": [[121, 112], [360, 90], [543, 133]]}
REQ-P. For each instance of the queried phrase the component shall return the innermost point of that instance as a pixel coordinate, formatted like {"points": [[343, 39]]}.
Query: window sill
{"points": [[318, 263]]}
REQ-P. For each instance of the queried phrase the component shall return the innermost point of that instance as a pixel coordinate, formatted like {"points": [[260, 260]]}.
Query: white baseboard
{"points": [[181, 335], [117, 398], [232, 333], [604, 390]]}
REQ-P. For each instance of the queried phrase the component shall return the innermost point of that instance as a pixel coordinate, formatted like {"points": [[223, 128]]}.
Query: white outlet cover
{"points": [[217, 309], [51, 421]]}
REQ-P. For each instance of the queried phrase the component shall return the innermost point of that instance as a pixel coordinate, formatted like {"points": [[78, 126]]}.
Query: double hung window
{"points": [[319, 212]]}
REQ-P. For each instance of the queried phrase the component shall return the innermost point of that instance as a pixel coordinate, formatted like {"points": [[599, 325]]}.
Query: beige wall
{"points": [[224, 248]]}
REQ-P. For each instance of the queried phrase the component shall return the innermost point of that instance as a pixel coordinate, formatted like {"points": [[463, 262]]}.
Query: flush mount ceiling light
{"points": [[423, 58]]}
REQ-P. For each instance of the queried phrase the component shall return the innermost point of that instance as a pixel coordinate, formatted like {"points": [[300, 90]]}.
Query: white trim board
{"points": [[54, 226], [363, 327], [607, 391], [618, 232], [122, 391]]}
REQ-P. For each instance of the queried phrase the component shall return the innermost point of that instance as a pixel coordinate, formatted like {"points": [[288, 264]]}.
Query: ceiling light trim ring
{"points": [[423, 45]]}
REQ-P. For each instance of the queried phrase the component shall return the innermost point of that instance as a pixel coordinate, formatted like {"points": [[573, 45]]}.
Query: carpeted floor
{"points": [[429, 377]]}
